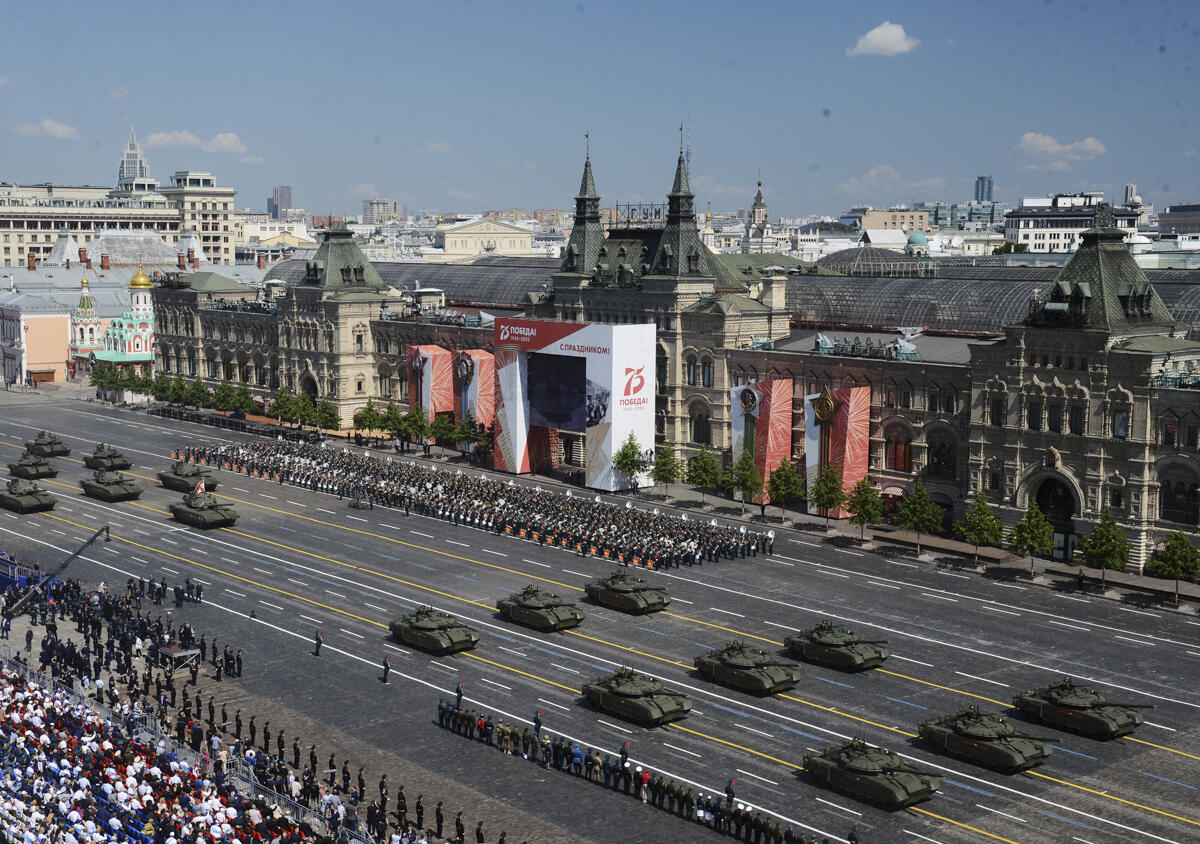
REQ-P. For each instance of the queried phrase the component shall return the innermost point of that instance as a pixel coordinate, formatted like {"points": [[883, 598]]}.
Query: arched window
{"points": [[898, 443], [693, 371], [943, 455], [91, 335], [700, 425], [706, 372], [1179, 497]]}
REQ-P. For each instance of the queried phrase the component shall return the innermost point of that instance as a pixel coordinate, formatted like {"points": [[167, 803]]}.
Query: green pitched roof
{"points": [[208, 282], [730, 270], [732, 304], [339, 266]]}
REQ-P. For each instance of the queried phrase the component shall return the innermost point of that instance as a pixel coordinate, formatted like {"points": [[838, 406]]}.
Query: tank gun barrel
{"points": [[1029, 737], [872, 641], [1132, 705]]}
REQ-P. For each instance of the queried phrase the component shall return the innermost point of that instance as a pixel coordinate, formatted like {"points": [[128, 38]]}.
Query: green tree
{"points": [[443, 430], [748, 481], [416, 424], [178, 390], [326, 416], [827, 491], [1106, 547], [702, 471], [197, 394], [487, 440], [628, 461], [784, 484], [367, 417], [161, 387], [1032, 535], [243, 399], [917, 512], [979, 525], [667, 467], [1010, 248], [223, 395], [103, 377], [393, 419], [281, 406], [865, 504], [303, 410], [466, 432], [1178, 559]]}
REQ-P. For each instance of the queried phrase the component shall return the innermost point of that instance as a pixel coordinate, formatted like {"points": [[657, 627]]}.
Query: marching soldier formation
{"points": [[585, 525]]}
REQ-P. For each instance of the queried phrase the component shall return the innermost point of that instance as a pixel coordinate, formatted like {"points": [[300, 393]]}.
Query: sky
{"points": [[458, 106]]}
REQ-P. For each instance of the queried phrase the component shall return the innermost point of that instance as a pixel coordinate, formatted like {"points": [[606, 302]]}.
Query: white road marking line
{"points": [[374, 607], [356, 518], [294, 580], [198, 580], [922, 837], [1160, 726], [172, 571], [727, 612], [263, 571], [852, 553], [910, 659], [998, 812], [781, 626], [200, 551], [293, 503], [168, 541], [139, 559], [239, 489], [751, 729], [272, 497], [1011, 586], [682, 601], [576, 573], [781, 562], [394, 648], [834, 573], [59, 532], [756, 776], [334, 594], [110, 550], [1073, 598], [1135, 641], [497, 553], [352, 633], [228, 560], [232, 592], [952, 574], [272, 606], [884, 585], [453, 542], [511, 651], [614, 726], [494, 683], [1138, 612], [1071, 626], [997, 609], [802, 542], [310, 618], [555, 705], [564, 668], [940, 597], [1194, 653], [906, 565], [443, 665], [680, 749], [418, 533], [981, 679], [323, 510], [536, 563], [827, 802]]}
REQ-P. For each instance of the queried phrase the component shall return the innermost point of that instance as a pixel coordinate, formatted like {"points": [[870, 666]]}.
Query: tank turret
{"points": [[23, 496], [184, 476], [837, 647], [111, 486], [625, 592], [433, 631], [749, 669], [1079, 709], [46, 444], [32, 467], [540, 610], [873, 774], [107, 457], [199, 509], [986, 740], [637, 697]]}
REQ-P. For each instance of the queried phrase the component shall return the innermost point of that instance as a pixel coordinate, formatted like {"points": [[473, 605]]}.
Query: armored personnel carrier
{"points": [[838, 647], [199, 509], [986, 740], [22, 496], [111, 486], [183, 477], [636, 697], [31, 467], [749, 669], [107, 457], [540, 610], [46, 444], [872, 774], [433, 631], [1078, 709], [626, 593]]}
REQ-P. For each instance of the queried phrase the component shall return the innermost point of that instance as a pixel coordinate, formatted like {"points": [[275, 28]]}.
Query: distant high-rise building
{"points": [[983, 188], [133, 173], [281, 200], [376, 211], [1131, 194]]}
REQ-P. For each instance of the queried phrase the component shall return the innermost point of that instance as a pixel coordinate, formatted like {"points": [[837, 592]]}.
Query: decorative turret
{"points": [[140, 281], [587, 234], [680, 252]]}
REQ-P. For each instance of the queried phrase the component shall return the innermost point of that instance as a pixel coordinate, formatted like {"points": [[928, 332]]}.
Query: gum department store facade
{"points": [[1084, 399]]}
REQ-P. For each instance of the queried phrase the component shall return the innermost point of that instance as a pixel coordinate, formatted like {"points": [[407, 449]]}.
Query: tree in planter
{"points": [[103, 377], [282, 405], [748, 480], [827, 491], [367, 417], [784, 484], [198, 395], [392, 419], [178, 390], [243, 400], [1032, 535], [865, 505], [416, 424], [979, 525], [1178, 559], [303, 410], [667, 467], [160, 388], [487, 440], [466, 432], [917, 512], [443, 430], [702, 471], [326, 416], [628, 461], [1106, 547], [223, 396]]}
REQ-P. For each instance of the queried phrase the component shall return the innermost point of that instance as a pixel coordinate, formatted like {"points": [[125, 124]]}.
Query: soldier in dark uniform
{"points": [[362, 784], [459, 828], [419, 808], [253, 731], [296, 753], [439, 819], [237, 726], [345, 776]]}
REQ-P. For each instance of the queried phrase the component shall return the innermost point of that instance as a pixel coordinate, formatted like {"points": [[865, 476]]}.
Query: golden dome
{"points": [[140, 280]]}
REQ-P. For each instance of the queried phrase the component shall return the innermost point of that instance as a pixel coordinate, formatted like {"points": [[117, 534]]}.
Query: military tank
{"points": [[749, 669], [46, 444], [111, 486], [184, 476], [986, 740], [626, 593], [22, 496], [433, 631], [837, 647], [199, 509], [636, 697], [540, 610], [1079, 709], [32, 467], [107, 457], [873, 774]]}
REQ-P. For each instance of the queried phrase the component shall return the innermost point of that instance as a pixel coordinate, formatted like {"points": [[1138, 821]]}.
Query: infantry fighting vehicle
{"points": [[636, 697], [46, 444], [986, 740], [540, 610], [749, 669], [624, 592], [184, 476], [31, 467], [111, 486], [434, 631], [873, 774], [107, 457], [199, 509], [1078, 709], [838, 647], [24, 496]]}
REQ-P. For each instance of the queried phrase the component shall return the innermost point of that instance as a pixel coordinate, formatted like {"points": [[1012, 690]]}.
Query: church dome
{"points": [[918, 239], [140, 280]]}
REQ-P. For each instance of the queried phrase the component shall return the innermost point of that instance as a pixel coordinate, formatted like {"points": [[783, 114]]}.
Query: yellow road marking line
{"points": [[1161, 747], [793, 765], [1113, 797], [722, 627], [667, 660], [944, 688], [848, 715], [522, 673], [975, 829]]}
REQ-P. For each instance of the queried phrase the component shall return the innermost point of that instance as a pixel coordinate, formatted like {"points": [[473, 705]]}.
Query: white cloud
{"points": [[455, 193], [1043, 152], [887, 39], [885, 178], [48, 128], [118, 92], [5, 81], [435, 146], [251, 159], [506, 163], [705, 185], [226, 142], [1191, 153], [364, 189]]}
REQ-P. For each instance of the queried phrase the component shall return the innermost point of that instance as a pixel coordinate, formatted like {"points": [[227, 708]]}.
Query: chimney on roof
{"points": [[87, 262], [82, 255], [181, 261], [287, 256], [68, 263], [262, 261], [104, 261], [195, 261], [191, 256], [31, 261]]}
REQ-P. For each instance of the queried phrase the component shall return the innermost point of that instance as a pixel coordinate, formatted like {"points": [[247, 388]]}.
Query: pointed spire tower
{"points": [[587, 233], [680, 252]]}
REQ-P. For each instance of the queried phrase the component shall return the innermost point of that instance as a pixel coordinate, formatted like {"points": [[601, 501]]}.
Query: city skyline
{"points": [[838, 108]]}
